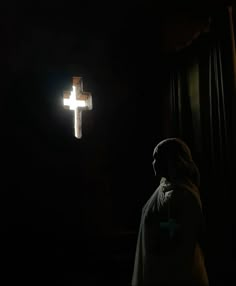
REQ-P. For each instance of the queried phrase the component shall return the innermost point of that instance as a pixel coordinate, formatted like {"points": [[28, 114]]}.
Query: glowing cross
{"points": [[78, 100]]}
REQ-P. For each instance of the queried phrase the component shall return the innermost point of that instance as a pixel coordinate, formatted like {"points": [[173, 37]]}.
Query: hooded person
{"points": [[169, 245]]}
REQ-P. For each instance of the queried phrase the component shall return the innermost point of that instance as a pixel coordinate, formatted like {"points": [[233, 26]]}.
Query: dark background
{"points": [[70, 208]]}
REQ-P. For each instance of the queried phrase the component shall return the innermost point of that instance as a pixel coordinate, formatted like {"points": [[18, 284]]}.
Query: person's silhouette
{"points": [[168, 250]]}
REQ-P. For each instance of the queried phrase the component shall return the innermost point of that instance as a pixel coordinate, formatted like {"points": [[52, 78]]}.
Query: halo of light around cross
{"points": [[72, 102]]}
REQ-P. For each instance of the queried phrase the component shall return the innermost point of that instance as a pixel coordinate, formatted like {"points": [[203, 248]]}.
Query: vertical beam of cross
{"points": [[77, 100], [78, 123]]}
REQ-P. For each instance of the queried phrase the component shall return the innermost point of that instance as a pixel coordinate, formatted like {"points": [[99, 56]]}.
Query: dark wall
{"points": [[64, 198]]}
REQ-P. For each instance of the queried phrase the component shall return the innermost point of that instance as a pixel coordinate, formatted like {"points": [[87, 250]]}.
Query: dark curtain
{"points": [[201, 101]]}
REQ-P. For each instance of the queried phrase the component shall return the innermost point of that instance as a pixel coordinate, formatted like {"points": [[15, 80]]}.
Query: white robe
{"points": [[165, 257]]}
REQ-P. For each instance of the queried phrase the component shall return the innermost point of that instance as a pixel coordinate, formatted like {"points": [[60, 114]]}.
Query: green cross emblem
{"points": [[171, 225]]}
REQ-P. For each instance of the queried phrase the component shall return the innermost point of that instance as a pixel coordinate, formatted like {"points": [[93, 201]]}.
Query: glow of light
{"points": [[72, 102]]}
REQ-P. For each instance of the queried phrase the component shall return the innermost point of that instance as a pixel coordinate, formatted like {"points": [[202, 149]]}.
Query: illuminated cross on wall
{"points": [[77, 100]]}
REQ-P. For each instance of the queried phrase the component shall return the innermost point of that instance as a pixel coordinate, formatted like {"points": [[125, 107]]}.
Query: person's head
{"points": [[172, 159]]}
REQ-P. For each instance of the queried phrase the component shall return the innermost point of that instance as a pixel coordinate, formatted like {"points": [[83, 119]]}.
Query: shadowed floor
{"points": [[94, 261]]}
